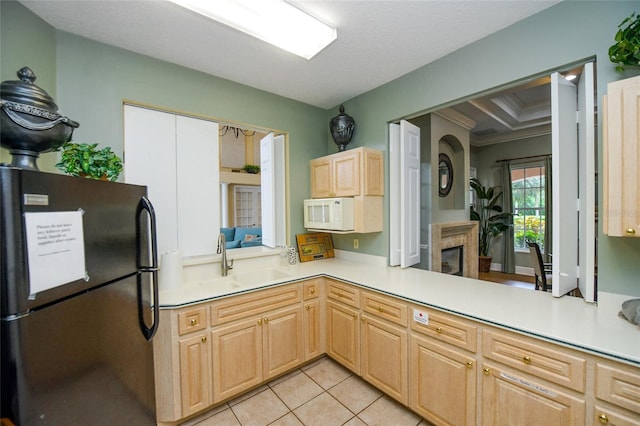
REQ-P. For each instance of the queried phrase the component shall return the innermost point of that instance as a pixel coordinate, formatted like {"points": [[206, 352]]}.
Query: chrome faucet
{"points": [[222, 249]]}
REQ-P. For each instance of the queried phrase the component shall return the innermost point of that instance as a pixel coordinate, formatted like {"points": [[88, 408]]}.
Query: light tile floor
{"points": [[322, 393]]}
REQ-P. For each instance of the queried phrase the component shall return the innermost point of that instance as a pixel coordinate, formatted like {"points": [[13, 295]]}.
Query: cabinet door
{"points": [[620, 159], [313, 330], [321, 181], [195, 376], [511, 398], [442, 383], [237, 357], [343, 335], [384, 357], [282, 342], [346, 174], [373, 173]]}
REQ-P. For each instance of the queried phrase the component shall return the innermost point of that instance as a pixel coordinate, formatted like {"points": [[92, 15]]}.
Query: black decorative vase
{"points": [[342, 127], [29, 121]]}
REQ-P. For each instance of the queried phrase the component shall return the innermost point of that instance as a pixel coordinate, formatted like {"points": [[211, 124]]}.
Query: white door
{"points": [[272, 181], [404, 182], [564, 149], [587, 194]]}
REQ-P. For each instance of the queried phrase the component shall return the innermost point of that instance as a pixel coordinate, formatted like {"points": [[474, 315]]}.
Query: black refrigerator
{"points": [[79, 301]]}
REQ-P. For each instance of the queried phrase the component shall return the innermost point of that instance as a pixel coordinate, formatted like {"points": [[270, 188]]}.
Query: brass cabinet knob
{"points": [[260, 321], [486, 371], [203, 339], [266, 320], [312, 291], [630, 231], [380, 309], [603, 418], [307, 307], [193, 321], [526, 359], [469, 364], [438, 330]]}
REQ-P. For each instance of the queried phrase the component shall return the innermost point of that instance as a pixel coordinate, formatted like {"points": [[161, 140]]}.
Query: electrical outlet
{"points": [[356, 243]]}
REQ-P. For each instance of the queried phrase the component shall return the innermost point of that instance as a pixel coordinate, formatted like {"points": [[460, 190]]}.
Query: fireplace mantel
{"points": [[454, 234]]}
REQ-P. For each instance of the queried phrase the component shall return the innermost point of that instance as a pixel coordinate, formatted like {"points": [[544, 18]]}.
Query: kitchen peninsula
{"points": [[562, 352]]}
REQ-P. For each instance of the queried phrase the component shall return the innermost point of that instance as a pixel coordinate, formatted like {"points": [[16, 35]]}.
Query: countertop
{"points": [[566, 320]]}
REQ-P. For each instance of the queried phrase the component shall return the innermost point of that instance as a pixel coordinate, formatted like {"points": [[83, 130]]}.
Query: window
{"points": [[528, 197]]}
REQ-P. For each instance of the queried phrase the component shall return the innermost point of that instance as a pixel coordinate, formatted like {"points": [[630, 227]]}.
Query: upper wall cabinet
{"points": [[359, 171], [176, 157], [621, 159]]}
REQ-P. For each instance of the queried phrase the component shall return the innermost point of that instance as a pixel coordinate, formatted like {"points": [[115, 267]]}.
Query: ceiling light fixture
{"points": [[570, 77], [273, 21]]}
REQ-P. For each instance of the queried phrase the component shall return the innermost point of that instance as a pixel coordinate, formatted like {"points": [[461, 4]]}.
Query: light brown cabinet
{"points": [[442, 382], [617, 389], [514, 398], [443, 379], [621, 159], [359, 171], [449, 369], [195, 374]]}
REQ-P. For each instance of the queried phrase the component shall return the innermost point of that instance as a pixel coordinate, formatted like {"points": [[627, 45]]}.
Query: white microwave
{"points": [[329, 213]]}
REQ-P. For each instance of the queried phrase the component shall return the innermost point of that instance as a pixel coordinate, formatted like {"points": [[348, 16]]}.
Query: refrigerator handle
{"points": [[145, 268]]}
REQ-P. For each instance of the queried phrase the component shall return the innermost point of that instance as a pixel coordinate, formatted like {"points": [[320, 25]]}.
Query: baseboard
{"points": [[520, 270]]}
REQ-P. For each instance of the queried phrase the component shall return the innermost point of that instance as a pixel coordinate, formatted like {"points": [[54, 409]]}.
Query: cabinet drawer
{"points": [[311, 288], [384, 307], [619, 386], [605, 416], [238, 307], [445, 328], [344, 293], [542, 360], [192, 320]]}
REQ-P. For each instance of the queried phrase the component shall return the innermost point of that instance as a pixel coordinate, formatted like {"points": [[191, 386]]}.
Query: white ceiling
{"points": [[378, 41]]}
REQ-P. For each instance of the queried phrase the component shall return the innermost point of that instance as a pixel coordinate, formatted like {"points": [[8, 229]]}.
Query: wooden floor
{"points": [[522, 281]]}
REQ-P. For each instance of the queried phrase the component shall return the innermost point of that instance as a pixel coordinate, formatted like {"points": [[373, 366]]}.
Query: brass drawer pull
{"points": [[469, 364], [438, 330], [630, 231], [380, 309], [526, 359], [203, 339], [486, 371], [603, 418], [312, 291], [307, 307], [193, 321]]}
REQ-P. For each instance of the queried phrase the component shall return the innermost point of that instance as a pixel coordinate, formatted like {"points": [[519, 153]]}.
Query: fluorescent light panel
{"points": [[273, 21]]}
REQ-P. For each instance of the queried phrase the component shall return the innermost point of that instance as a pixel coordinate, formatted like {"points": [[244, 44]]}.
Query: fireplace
{"points": [[454, 248], [452, 260]]}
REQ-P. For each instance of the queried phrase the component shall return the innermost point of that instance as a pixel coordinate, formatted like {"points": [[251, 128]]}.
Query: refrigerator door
{"points": [[82, 361], [109, 220]]}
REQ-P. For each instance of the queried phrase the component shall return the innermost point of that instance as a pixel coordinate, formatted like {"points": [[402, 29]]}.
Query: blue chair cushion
{"points": [[229, 233]]}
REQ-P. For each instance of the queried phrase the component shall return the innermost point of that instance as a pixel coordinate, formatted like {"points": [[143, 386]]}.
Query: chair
{"points": [[541, 270]]}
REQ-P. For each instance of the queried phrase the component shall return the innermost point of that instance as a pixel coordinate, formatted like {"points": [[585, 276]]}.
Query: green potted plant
{"points": [[491, 217], [626, 50], [86, 160], [252, 168]]}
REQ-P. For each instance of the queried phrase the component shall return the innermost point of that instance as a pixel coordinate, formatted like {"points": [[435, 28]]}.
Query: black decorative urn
{"points": [[342, 127], [29, 121]]}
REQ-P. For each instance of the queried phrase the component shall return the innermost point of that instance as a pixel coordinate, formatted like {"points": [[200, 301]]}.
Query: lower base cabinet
{"points": [[246, 353], [343, 335], [442, 383], [514, 398], [195, 374]]}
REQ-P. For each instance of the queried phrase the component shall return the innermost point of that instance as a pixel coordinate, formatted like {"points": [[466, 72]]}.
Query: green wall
{"points": [[564, 34], [89, 82]]}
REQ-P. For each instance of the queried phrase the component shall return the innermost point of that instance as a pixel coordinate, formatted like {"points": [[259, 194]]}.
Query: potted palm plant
{"points": [[86, 160], [492, 220]]}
